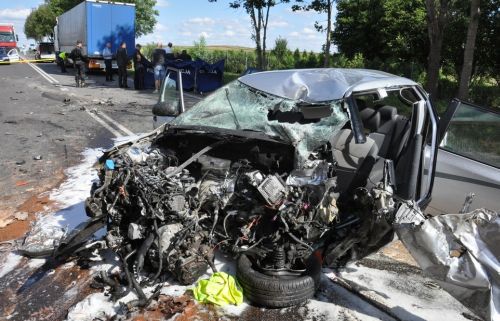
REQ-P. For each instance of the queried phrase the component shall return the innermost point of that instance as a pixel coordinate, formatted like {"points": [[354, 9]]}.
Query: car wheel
{"points": [[280, 290]]}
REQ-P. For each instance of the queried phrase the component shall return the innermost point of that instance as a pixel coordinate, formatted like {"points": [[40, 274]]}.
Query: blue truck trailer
{"points": [[96, 23]]}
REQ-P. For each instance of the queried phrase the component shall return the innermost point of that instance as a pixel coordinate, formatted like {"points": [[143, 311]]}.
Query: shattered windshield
{"points": [[237, 106]]}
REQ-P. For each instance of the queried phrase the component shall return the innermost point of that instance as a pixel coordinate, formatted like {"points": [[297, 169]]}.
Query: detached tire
{"points": [[278, 291]]}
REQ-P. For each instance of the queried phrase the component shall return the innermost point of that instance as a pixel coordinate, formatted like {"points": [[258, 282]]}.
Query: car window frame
{"points": [[448, 116], [179, 85]]}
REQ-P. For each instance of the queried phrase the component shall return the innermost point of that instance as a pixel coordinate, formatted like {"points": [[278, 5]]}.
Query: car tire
{"points": [[277, 291]]}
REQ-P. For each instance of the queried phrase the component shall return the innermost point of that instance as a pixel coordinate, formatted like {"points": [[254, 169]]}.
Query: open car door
{"points": [[468, 159]]}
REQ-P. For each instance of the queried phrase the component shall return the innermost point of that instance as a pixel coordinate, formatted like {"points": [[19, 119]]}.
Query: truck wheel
{"points": [[278, 291]]}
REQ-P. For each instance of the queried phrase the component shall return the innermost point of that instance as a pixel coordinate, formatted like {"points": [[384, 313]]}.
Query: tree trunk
{"points": [[256, 22], [463, 89], [264, 24], [326, 62], [436, 22]]}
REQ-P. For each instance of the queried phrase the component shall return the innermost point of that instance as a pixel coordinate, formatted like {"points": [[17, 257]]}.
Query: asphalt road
{"points": [[46, 122]]}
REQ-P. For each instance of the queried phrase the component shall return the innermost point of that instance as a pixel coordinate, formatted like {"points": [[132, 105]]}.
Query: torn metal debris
{"points": [[460, 251]]}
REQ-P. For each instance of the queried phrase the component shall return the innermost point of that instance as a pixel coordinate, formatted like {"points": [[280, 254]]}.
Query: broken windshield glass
{"points": [[274, 116]]}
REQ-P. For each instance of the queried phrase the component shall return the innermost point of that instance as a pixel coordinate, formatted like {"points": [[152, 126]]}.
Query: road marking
{"points": [[45, 75], [104, 124], [117, 124]]}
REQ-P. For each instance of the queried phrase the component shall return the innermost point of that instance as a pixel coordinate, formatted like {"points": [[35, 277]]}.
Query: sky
{"points": [[184, 21]]}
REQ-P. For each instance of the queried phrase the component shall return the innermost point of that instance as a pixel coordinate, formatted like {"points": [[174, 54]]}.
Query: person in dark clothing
{"points": [[184, 56], [122, 61], [140, 65], [79, 61], [107, 54]]}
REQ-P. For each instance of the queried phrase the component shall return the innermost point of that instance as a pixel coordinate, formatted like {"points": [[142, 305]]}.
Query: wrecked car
{"points": [[286, 171]]}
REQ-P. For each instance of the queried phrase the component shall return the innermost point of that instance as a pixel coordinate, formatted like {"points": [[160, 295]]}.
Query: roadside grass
{"points": [[229, 76]]}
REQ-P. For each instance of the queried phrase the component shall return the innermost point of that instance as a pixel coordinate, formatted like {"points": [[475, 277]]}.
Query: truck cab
{"points": [[8, 36]]}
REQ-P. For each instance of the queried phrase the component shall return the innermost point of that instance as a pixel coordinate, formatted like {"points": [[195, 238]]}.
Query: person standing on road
{"points": [[159, 58], [62, 61], [79, 60], [169, 49], [107, 54], [122, 61], [140, 64]]}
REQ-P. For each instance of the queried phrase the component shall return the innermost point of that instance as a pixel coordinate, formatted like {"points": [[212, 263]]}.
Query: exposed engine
{"points": [[173, 203]]}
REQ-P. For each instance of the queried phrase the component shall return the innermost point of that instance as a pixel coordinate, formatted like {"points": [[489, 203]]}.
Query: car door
{"points": [[468, 160]]}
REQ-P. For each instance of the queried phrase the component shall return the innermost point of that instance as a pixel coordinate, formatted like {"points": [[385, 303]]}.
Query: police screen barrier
{"points": [[197, 75], [209, 76]]}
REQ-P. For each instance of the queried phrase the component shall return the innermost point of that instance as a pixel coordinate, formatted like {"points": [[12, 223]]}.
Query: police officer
{"points": [[62, 61], [122, 61], [79, 60], [140, 65], [107, 54]]}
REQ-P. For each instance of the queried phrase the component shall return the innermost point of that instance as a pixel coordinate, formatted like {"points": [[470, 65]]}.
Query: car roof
{"points": [[322, 84]]}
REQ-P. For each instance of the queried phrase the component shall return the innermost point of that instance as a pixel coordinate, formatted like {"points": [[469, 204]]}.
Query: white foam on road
{"points": [[10, 262], [70, 197]]}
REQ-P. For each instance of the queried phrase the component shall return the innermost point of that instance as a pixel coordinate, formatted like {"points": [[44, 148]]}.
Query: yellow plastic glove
{"points": [[221, 289]]}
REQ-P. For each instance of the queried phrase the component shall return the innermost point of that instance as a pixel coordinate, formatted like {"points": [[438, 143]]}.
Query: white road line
{"points": [[104, 124], [46, 78], [117, 124], [45, 75]]}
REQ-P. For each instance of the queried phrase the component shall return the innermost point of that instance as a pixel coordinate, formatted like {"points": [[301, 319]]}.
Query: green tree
{"points": [[296, 58], [320, 6], [258, 10], [284, 58], [199, 50], [40, 23], [382, 30], [463, 89], [438, 13], [312, 61]]}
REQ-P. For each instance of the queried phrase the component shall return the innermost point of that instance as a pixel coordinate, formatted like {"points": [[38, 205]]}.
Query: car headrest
{"points": [[387, 113], [370, 118]]}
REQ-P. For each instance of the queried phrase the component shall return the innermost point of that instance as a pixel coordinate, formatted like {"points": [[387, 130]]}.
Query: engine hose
{"points": [[296, 239], [131, 280], [36, 254], [160, 254], [139, 261]]}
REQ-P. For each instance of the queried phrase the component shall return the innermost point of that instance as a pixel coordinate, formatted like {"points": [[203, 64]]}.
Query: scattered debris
{"points": [[14, 122], [21, 183], [20, 162], [37, 157]]}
